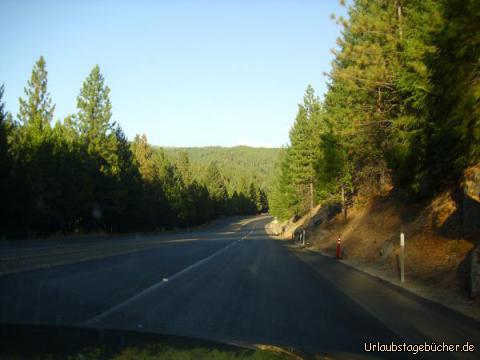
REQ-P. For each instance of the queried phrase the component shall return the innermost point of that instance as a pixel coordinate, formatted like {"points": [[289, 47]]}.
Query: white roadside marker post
{"points": [[402, 257]]}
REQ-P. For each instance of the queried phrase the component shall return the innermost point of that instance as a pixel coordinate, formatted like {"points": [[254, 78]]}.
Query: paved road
{"points": [[229, 282]]}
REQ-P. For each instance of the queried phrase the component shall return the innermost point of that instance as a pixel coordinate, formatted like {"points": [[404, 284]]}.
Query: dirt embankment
{"points": [[440, 235]]}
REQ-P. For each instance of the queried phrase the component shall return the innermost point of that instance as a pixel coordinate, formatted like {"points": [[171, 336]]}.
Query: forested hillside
{"points": [[240, 165], [82, 174], [402, 108]]}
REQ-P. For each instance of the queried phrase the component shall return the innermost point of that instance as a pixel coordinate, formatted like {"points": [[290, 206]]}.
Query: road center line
{"points": [[156, 286]]}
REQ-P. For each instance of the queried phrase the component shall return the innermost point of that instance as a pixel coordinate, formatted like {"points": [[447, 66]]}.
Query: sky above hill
{"points": [[185, 73]]}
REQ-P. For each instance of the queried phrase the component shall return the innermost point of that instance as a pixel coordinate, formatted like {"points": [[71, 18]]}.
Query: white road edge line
{"points": [[154, 287], [245, 237]]}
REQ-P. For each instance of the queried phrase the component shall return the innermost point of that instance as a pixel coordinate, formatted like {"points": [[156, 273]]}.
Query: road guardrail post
{"points": [[402, 257], [339, 242]]}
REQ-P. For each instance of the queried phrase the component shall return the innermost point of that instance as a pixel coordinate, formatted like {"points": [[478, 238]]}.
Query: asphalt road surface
{"points": [[227, 282]]}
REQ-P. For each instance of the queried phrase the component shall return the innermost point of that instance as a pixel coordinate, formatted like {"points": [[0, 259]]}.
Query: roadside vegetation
{"points": [[401, 111], [393, 147], [52, 342], [82, 174]]}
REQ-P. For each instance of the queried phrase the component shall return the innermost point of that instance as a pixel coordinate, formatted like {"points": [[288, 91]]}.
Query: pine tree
{"points": [[379, 82], [101, 146], [4, 156], [201, 203], [94, 123], [263, 201], [418, 22], [453, 133], [330, 168], [72, 191], [143, 155], [33, 152], [155, 208], [303, 152], [216, 187], [36, 111], [363, 95], [5, 166], [284, 202], [254, 199], [3, 112], [127, 186], [184, 167]]}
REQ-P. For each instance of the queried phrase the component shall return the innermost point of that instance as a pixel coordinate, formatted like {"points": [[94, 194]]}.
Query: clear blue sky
{"points": [[185, 73]]}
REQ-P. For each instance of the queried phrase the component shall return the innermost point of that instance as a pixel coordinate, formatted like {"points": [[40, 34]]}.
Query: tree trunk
{"points": [[399, 11], [344, 203], [311, 196]]}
